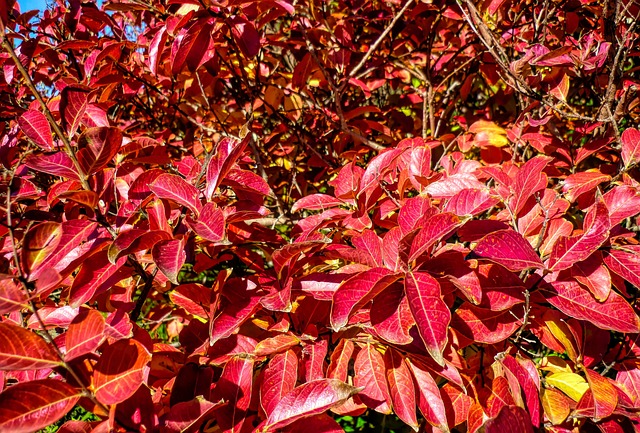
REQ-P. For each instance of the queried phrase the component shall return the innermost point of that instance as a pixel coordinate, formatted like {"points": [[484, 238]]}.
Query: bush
{"points": [[238, 216]]}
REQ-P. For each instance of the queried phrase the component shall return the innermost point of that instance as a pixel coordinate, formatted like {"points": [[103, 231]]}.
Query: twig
{"points": [[29, 82], [378, 41]]}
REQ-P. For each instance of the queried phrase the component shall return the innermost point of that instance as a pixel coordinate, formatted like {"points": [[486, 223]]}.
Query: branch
{"points": [[65, 141], [378, 41]]}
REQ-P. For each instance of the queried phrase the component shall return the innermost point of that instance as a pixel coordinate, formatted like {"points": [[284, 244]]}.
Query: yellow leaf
{"points": [[488, 134], [571, 384], [556, 406], [555, 364]]}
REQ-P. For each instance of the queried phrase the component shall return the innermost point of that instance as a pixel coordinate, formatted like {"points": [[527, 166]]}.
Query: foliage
{"points": [[238, 216]]}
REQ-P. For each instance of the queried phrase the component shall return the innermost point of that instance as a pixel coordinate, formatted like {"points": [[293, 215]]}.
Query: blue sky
{"points": [[27, 5]]}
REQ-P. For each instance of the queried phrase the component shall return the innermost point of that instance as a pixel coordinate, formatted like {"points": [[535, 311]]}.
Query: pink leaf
{"points": [[57, 164], [630, 139], [210, 225], [509, 249], [614, 314], [169, 256], [391, 316], [309, 399], [280, 378], [431, 314], [369, 375], [568, 251], [97, 148], [429, 399], [402, 390], [73, 103], [227, 153], [35, 125], [357, 291], [234, 386], [172, 187]]}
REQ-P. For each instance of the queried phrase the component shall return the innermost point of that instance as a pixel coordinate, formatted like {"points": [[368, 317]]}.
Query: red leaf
{"points": [[510, 419], [431, 314], [568, 251], [509, 249], [21, 349], [402, 390], [187, 417], [316, 202], [614, 314], [484, 326], [529, 388], [227, 153], [315, 424], [309, 399], [97, 148], [35, 125], [74, 233], [57, 164], [579, 183], [29, 406], [210, 223], [135, 240], [172, 187], [193, 46], [97, 274], [276, 344], [429, 399], [39, 242], [370, 243], [605, 396], [120, 371], [313, 358], [356, 292], [245, 35], [630, 139], [73, 103], [391, 316], [623, 202], [280, 378], [169, 256], [233, 314], [302, 71], [340, 358], [193, 298], [629, 378], [12, 297], [156, 46], [592, 274], [85, 334], [470, 202], [370, 376], [529, 181], [435, 229], [626, 264], [234, 386], [453, 184]]}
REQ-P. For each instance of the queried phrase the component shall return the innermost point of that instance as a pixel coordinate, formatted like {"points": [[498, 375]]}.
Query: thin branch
{"points": [[378, 41]]}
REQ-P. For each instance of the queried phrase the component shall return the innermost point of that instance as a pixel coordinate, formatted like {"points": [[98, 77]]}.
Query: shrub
{"points": [[263, 216]]}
